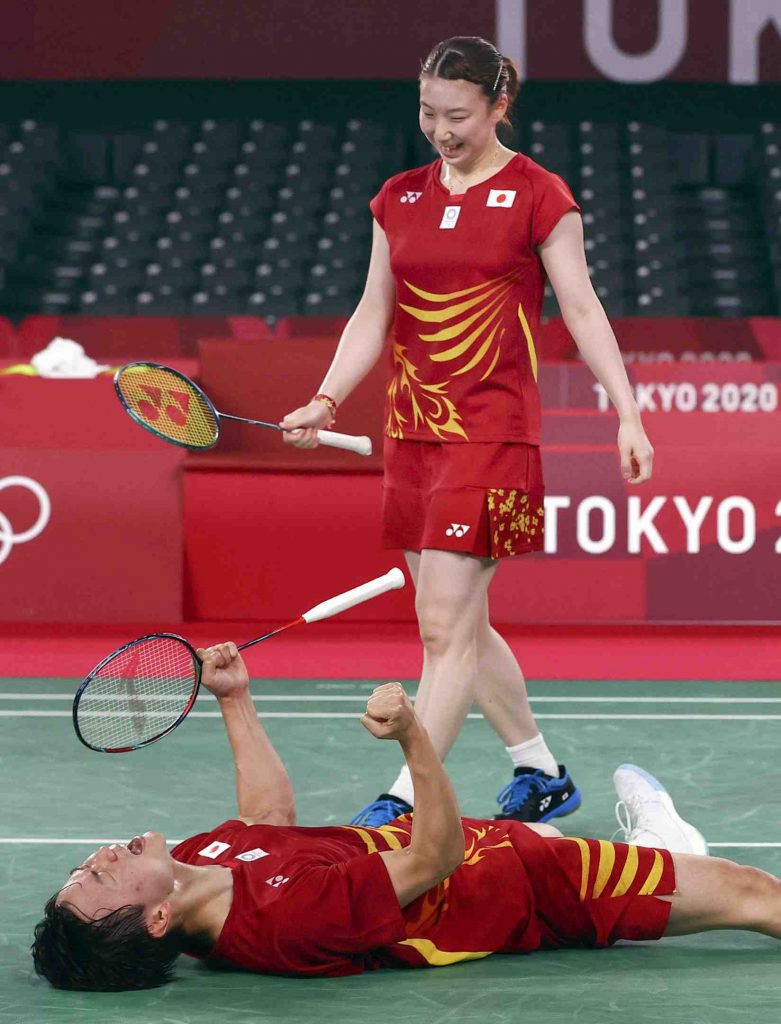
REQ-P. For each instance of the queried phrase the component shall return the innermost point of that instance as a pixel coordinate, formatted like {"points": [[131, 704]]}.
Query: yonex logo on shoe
{"points": [[545, 803], [411, 197], [457, 530]]}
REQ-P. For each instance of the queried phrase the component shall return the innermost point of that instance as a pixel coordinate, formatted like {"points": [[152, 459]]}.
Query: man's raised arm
{"points": [[263, 789], [436, 846]]}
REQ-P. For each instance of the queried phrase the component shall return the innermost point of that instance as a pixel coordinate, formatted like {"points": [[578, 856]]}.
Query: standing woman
{"points": [[461, 248]]}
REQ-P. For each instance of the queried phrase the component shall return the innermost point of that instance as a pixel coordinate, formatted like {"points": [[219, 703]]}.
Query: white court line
{"points": [[360, 697], [354, 716], [41, 841]]}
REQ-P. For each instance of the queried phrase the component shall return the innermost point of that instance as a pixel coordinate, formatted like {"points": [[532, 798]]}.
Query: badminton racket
{"points": [[171, 406], [145, 689]]}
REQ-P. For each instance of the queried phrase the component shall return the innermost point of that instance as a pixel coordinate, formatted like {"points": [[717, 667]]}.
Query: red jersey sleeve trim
{"points": [[377, 205], [552, 199]]}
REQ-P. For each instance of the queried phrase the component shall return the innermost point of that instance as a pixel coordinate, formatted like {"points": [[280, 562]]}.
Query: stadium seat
{"points": [[164, 298], [219, 300], [273, 302]]}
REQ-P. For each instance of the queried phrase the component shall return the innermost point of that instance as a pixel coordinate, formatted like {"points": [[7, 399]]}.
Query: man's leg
{"points": [[712, 893]]}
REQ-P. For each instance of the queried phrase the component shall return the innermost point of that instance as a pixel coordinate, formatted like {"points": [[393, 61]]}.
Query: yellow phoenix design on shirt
{"points": [[469, 340]]}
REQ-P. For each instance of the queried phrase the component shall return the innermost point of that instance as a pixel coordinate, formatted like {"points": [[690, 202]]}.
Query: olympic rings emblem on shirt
{"points": [[8, 536]]}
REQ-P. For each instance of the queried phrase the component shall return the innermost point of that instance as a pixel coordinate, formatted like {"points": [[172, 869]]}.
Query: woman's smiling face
{"points": [[458, 119]]}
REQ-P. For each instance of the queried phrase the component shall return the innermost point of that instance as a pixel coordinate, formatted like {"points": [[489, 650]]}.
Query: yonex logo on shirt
{"points": [[411, 197], [276, 880], [500, 197]]}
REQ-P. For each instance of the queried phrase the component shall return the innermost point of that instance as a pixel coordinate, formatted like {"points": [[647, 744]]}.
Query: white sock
{"points": [[534, 754], [403, 787]]}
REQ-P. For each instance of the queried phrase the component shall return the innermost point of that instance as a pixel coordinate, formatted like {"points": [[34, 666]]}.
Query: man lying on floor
{"points": [[259, 893]]}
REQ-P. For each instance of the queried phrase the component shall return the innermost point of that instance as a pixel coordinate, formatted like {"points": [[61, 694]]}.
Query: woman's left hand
{"points": [[637, 454]]}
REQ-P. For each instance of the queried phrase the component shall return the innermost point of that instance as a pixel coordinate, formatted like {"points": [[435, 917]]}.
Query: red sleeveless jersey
{"points": [[469, 291]]}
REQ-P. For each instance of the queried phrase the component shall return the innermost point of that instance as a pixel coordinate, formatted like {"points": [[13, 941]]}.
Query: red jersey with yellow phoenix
{"points": [[319, 901], [469, 291]]}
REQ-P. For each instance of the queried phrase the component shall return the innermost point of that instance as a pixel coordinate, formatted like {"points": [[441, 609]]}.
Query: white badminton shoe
{"points": [[647, 817]]}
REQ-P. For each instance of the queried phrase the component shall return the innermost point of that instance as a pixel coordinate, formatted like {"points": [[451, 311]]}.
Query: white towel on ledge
{"points": [[65, 358]]}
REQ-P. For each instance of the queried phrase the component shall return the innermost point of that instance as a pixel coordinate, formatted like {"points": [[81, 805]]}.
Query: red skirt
{"points": [[478, 498]]}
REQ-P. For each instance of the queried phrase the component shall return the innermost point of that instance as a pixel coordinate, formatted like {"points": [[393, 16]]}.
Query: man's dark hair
{"points": [[111, 954]]}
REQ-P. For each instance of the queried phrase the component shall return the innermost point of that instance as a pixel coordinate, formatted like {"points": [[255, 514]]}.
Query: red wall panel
{"points": [[270, 545], [111, 549]]}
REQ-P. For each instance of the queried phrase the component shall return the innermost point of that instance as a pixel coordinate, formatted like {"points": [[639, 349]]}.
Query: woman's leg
{"points": [[450, 603], [499, 688], [712, 893]]}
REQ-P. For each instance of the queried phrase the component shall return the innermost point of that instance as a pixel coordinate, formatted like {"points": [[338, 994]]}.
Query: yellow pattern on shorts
{"points": [[608, 864], [514, 521]]}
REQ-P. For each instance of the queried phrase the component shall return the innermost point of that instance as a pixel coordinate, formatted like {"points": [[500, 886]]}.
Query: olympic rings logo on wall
{"points": [[8, 536]]}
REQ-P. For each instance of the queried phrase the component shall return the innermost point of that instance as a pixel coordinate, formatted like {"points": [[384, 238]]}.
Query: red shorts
{"points": [[596, 892], [479, 498]]}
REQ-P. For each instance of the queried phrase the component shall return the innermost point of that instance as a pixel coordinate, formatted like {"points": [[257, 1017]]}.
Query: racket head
{"points": [[137, 694], [167, 404]]}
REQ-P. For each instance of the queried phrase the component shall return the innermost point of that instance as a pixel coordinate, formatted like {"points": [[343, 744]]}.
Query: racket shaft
{"points": [[267, 636], [251, 423], [392, 580], [350, 442]]}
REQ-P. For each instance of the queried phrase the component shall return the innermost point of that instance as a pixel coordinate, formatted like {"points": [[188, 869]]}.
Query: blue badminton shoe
{"points": [[534, 796], [381, 811]]}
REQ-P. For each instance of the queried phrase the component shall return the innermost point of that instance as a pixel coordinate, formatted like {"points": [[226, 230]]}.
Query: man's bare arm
{"points": [[436, 847], [263, 788]]}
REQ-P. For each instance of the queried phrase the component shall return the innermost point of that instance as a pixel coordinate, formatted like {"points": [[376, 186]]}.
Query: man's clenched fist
{"points": [[389, 713]]}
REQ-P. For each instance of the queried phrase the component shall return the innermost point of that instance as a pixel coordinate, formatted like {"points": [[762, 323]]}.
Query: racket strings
{"points": [[169, 404], [137, 694]]}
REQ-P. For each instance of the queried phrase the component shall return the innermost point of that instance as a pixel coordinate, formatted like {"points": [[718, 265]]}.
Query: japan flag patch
{"points": [[213, 850], [500, 197]]}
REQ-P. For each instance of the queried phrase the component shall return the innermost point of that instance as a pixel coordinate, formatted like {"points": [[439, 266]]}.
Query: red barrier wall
{"points": [[110, 547], [122, 338], [700, 544], [614, 553], [271, 378]]}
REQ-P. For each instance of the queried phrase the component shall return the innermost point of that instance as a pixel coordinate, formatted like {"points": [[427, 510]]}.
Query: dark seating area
{"points": [[218, 218]]}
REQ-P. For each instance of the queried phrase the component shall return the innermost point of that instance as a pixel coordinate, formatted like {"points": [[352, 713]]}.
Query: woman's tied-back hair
{"points": [[111, 954], [472, 59]]}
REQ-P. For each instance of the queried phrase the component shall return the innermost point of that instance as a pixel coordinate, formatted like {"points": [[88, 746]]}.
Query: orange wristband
{"points": [[327, 400]]}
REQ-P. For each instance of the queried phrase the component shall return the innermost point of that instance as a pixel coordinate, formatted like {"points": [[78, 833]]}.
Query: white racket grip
{"points": [[392, 580], [359, 445]]}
